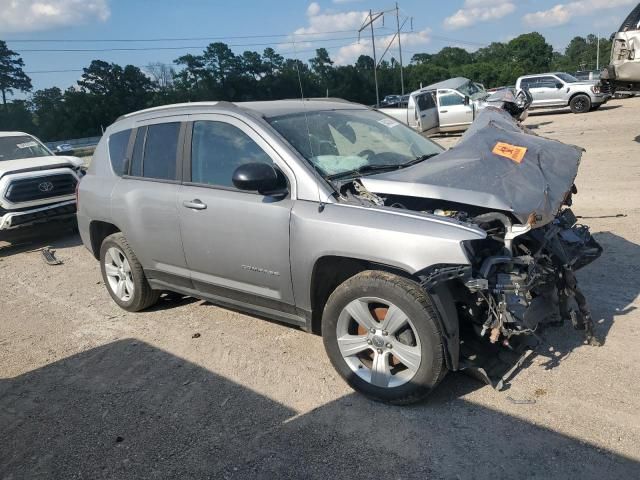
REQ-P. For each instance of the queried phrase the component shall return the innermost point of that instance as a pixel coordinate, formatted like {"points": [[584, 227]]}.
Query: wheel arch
{"points": [[574, 95], [332, 270], [98, 231]]}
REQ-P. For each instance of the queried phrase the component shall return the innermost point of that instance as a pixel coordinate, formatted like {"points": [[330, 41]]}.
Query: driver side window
{"points": [[217, 149]]}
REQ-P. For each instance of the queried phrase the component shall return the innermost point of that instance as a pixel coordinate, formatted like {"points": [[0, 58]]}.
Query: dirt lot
{"points": [[89, 391]]}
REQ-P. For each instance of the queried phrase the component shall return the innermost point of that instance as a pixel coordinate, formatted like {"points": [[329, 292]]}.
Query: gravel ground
{"points": [[90, 391]]}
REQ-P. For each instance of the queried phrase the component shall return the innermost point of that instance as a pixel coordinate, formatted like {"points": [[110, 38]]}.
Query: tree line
{"points": [[107, 90]]}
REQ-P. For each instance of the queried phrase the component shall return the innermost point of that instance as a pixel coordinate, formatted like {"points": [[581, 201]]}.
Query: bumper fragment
{"points": [[12, 220]]}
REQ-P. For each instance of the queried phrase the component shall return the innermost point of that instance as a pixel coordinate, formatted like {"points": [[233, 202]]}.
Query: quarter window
{"points": [[217, 149], [155, 151], [118, 143]]}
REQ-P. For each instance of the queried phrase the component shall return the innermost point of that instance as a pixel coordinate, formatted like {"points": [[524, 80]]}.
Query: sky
{"points": [[139, 32]]}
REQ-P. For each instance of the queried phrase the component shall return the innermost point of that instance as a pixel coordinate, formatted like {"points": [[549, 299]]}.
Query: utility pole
{"points": [[373, 18], [598, 54], [399, 48]]}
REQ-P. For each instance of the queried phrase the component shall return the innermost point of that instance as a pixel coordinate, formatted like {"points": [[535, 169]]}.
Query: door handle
{"points": [[195, 204], [444, 111]]}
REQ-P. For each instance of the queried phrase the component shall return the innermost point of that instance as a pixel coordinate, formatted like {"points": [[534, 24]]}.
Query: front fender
{"points": [[406, 240]]}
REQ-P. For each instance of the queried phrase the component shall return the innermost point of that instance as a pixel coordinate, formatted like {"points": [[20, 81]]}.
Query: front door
{"points": [[236, 243], [425, 117], [454, 114]]}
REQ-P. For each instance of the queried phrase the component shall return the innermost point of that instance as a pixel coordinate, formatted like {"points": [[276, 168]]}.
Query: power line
{"points": [[177, 39], [183, 47], [328, 47]]}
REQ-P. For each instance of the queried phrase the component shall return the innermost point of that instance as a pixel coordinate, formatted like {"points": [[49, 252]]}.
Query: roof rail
{"points": [[218, 103], [328, 99]]}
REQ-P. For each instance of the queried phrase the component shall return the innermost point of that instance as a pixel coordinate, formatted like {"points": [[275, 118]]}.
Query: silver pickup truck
{"points": [[447, 106], [556, 90]]}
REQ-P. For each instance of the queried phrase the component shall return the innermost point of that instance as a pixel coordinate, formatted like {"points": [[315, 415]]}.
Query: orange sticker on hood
{"points": [[512, 152]]}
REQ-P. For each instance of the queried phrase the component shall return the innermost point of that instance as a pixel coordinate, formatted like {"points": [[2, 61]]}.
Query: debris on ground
{"points": [[50, 256]]}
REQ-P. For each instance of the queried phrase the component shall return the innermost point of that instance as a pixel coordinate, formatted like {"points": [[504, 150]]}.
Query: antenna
{"points": [[306, 121]]}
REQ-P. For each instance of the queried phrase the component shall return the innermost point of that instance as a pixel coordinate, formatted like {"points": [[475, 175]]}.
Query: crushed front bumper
{"points": [[11, 220]]}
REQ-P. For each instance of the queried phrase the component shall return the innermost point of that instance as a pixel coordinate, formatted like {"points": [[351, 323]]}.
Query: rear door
{"points": [[453, 113], [236, 242], [544, 91], [423, 112], [144, 200]]}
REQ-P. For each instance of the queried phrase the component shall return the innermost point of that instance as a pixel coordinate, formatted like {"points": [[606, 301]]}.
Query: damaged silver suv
{"points": [[338, 219]]}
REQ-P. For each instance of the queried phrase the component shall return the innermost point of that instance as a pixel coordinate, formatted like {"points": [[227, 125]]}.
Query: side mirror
{"points": [[559, 85], [467, 100], [259, 177]]}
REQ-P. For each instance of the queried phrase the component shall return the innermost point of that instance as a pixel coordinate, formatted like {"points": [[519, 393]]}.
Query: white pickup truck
{"points": [[447, 106], [36, 186]]}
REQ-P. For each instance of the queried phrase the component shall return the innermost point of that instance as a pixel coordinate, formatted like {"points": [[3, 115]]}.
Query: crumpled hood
{"points": [[470, 173], [39, 163]]}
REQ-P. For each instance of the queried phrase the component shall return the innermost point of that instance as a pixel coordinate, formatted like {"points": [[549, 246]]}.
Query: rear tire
{"points": [[123, 275], [580, 104], [397, 356]]}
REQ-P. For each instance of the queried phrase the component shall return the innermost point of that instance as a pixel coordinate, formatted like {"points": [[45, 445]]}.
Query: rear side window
{"points": [[118, 143], [160, 151], [155, 151], [217, 149]]}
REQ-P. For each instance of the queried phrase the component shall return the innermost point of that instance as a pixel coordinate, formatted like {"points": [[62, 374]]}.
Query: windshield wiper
{"points": [[419, 159], [379, 168], [364, 169]]}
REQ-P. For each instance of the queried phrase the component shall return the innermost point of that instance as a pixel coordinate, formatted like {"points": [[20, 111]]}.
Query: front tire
{"points": [[123, 275], [382, 335], [580, 104]]}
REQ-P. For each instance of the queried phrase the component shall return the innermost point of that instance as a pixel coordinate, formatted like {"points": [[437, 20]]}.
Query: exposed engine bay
{"points": [[521, 277]]}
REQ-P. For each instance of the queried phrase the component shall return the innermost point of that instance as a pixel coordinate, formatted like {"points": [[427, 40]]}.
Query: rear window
{"points": [[155, 151], [118, 143]]}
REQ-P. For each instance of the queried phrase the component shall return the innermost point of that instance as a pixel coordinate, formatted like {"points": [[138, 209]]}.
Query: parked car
{"points": [[336, 218], [35, 185], [587, 75], [558, 89], [391, 100], [64, 149]]}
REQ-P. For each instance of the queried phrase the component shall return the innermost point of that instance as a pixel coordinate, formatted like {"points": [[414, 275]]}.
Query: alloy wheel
{"points": [[119, 275], [378, 342]]}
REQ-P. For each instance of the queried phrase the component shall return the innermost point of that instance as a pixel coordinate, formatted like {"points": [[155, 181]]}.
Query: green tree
{"points": [[322, 65], [12, 77]]}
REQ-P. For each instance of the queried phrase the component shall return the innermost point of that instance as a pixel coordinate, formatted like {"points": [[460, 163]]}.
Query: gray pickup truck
{"points": [[342, 221], [558, 89]]}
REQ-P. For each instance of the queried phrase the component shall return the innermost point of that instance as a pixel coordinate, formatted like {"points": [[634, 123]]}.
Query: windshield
{"points": [[340, 141], [565, 77], [16, 148], [469, 89]]}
